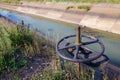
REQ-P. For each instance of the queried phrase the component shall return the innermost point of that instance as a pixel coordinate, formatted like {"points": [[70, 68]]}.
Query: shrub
{"points": [[86, 7], [8, 59], [69, 7], [16, 44]]}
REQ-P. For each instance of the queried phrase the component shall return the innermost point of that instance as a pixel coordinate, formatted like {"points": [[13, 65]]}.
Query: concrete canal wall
{"points": [[101, 16], [104, 17]]}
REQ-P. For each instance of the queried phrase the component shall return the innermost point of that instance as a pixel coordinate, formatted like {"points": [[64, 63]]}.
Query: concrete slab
{"points": [[27, 10], [54, 14], [108, 5], [98, 22], [43, 11], [72, 17], [89, 20], [116, 27], [105, 23], [107, 11], [103, 17]]}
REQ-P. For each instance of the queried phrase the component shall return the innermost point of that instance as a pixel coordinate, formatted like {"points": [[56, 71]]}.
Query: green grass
{"points": [[86, 7], [8, 52], [69, 7], [54, 72], [17, 44], [83, 1], [10, 1]]}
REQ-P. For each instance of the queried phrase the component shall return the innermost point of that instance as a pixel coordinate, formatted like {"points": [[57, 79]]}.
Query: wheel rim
{"points": [[80, 49]]}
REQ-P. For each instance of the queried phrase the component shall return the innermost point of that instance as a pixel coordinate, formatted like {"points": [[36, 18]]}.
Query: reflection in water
{"points": [[59, 30]]}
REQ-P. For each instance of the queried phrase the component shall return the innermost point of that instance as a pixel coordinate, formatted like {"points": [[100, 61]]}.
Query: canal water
{"points": [[58, 30]]}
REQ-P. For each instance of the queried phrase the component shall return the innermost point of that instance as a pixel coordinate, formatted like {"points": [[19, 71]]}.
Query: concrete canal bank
{"points": [[101, 16]]}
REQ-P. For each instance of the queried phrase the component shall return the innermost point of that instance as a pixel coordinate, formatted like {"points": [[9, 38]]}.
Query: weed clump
{"points": [[17, 44], [86, 7], [69, 7]]}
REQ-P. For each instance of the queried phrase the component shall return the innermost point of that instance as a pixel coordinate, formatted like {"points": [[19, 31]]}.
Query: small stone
{"points": [[31, 67], [70, 50], [41, 75]]}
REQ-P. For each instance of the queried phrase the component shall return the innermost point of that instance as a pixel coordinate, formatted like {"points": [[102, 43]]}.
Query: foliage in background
{"points": [[85, 7], [69, 7], [11, 1], [83, 1]]}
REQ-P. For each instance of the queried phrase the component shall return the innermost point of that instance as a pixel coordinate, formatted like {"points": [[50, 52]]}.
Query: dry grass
{"points": [[81, 1], [4, 22]]}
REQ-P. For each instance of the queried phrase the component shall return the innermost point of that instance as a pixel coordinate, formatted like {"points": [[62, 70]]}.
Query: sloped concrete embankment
{"points": [[55, 11], [103, 17]]}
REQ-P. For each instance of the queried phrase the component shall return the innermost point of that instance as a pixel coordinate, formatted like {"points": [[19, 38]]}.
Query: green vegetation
{"points": [[54, 72], [10, 1], [69, 7], [17, 44], [83, 1], [86, 7]]}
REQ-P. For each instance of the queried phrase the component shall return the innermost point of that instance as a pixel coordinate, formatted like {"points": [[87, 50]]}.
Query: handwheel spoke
{"points": [[76, 52], [88, 49], [90, 42], [66, 47]]}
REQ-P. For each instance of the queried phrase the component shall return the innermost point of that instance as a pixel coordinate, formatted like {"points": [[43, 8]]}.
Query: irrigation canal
{"points": [[58, 30]]}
